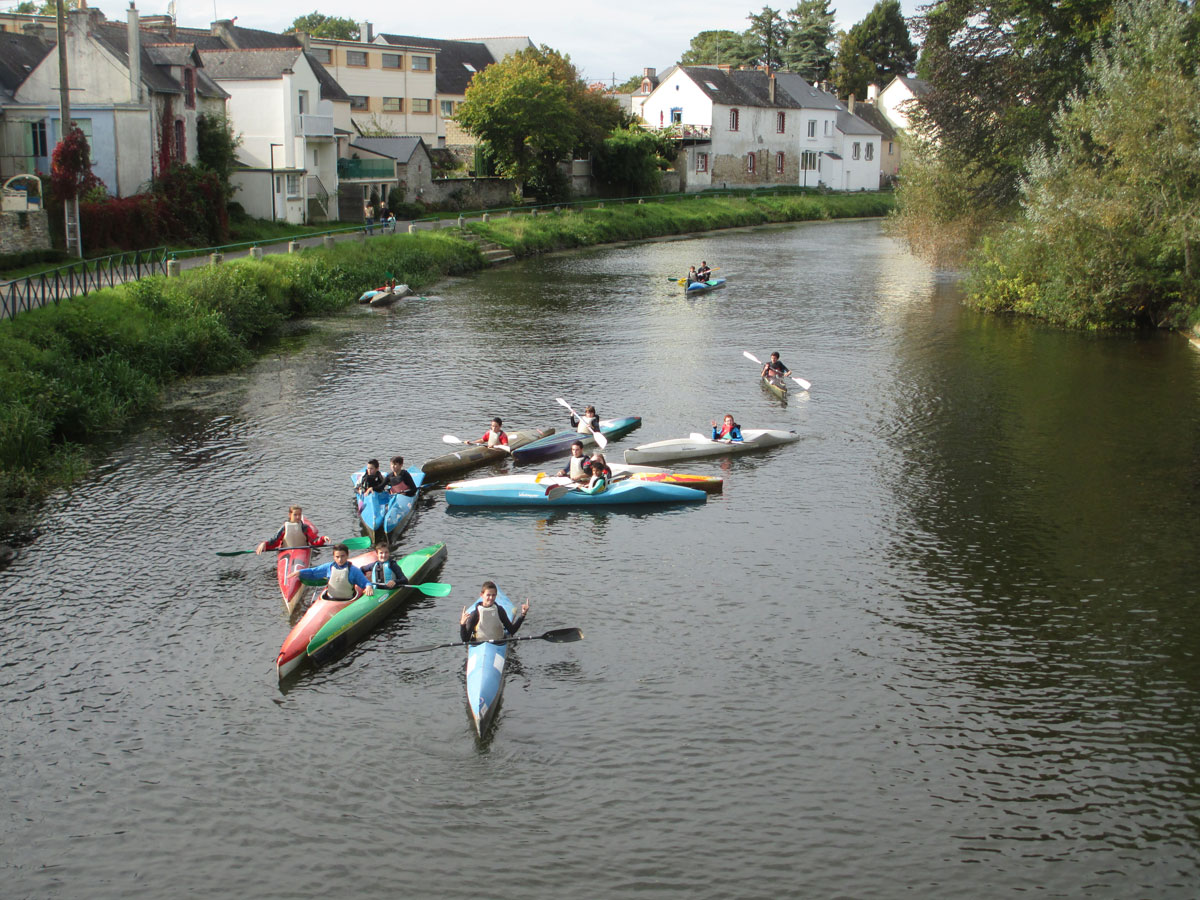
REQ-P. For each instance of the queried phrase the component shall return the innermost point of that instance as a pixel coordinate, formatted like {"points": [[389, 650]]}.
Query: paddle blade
{"points": [[362, 542], [562, 635], [433, 589], [451, 439], [800, 381], [311, 582], [556, 491], [750, 356], [539, 477], [233, 552], [601, 440]]}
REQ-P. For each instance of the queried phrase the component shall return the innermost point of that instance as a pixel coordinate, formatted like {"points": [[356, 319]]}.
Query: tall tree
{"points": [[710, 48], [808, 49], [767, 30], [881, 39], [320, 25]]}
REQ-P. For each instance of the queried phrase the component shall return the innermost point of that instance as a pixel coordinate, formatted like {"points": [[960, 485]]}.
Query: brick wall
{"points": [[21, 231]]}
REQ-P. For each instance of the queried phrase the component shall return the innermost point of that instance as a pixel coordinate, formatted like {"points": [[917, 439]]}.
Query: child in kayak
{"points": [[579, 467], [399, 481], [494, 436], [488, 621], [372, 479], [342, 581], [384, 572], [775, 368], [589, 423], [601, 475], [728, 430], [297, 531], [692, 276]]}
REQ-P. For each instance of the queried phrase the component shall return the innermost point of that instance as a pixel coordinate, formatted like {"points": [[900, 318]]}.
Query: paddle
{"points": [[451, 439], [559, 490], [800, 381], [557, 636], [354, 543], [601, 440], [429, 589]]}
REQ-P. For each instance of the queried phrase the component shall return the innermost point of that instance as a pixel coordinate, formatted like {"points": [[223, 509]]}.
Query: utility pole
{"points": [[70, 207]]}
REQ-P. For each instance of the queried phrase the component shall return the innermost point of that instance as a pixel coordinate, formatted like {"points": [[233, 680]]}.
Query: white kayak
{"points": [[707, 483], [698, 445]]}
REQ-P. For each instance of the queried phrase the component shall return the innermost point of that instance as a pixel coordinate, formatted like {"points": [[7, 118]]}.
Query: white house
{"points": [[896, 99]]}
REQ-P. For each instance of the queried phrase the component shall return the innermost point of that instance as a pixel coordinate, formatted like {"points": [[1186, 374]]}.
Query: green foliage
{"points": [[768, 31], [807, 50], [710, 48], [320, 25], [876, 49], [629, 162], [216, 147], [1110, 218], [630, 85]]}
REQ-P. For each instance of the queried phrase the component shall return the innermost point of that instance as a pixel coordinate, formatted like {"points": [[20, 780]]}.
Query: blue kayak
{"points": [[559, 444], [699, 287], [485, 672], [386, 515], [536, 494]]}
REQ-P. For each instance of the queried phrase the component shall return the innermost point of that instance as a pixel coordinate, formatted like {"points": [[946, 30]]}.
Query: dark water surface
{"points": [[944, 646]]}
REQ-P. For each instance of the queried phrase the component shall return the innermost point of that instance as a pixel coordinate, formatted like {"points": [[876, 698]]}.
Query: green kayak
{"points": [[361, 616]]}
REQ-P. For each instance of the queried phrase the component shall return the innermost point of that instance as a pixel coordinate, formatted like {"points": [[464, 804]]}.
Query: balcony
{"points": [[681, 132], [313, 126], [373, 169]]}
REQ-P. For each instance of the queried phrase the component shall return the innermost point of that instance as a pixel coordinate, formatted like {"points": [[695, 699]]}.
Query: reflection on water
{"points": [[944, 644]]}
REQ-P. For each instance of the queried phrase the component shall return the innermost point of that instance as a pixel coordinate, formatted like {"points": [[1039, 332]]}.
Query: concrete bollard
{"points": [[256, 252], [327, 241], [600, 205], [508, 214], [172, 268], [486, 218], [533, 212], [216, 258], [412, 227], [558, 209], [293, 246], [641, 203], [461, 220]]}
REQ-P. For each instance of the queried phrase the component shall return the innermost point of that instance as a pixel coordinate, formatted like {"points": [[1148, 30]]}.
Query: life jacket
{"points": [[489, 628], [382, 572], [726, 430], [588, 424], [575, 471], [339, 587], [293, 535], [494, 437]]}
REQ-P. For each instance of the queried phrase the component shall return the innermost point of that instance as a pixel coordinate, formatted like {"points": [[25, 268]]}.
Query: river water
{"points": [[944, 646]]}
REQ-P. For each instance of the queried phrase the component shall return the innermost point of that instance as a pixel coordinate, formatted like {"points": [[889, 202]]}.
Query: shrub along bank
{"points": [[526, 235], [75, 371]]}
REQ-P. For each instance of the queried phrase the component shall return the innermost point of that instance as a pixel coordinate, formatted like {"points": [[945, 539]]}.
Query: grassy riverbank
{"points": [[526, 235], [73, 372]]}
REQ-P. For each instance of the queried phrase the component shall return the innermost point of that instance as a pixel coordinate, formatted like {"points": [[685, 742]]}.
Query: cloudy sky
{"points": [[617, 37]]}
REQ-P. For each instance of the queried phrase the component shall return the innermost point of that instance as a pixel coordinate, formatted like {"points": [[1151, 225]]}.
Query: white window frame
{"points": [[355, 54], [779, 161], [855, 150], [701, 162], [751, 163], [812, 128], [420, 63], [735, 119]]}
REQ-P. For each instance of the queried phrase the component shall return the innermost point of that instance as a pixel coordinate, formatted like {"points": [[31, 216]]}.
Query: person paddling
{"points": [[728, 430], [494, 436], [589, 423], [775, 368], [385, 572], [372, 479], [296, 532], [343, 582], [692, 276], [488, 621], [399, 480], [578, 467], [704, 272]]}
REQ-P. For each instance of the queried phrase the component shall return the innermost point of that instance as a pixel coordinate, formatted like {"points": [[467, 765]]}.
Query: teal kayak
{"points": [[559, 444]]}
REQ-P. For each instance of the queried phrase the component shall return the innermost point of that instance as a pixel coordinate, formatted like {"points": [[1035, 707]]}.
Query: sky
{"points": [[614, 38]]}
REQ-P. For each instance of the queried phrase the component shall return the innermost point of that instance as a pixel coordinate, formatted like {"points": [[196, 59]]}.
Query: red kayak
{"points": [[287, 564]]}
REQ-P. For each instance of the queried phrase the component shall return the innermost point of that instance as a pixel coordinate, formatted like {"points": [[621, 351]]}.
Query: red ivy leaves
{"points": [[71, 166]]}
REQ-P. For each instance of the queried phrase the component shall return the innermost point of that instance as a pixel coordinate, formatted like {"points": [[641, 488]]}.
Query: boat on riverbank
{"points": [[697, 446]]}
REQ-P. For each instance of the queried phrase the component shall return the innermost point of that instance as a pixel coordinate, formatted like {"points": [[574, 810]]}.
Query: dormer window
{"points": [[189, 88]]}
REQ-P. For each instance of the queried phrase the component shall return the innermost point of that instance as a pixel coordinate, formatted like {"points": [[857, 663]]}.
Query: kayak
{"points": [[697, 445], [559, 444], [699, 287], [485, 672], [287, 563], [386, 515], [776, 386], [710, 484], [478, 454], [357, 618], [625, 491], [295, 645]]}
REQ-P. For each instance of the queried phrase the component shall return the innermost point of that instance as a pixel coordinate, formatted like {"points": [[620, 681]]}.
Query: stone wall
{"points": [[471, 193], [21, 231]]}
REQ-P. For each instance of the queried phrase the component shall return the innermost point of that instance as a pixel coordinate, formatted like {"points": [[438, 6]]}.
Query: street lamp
{"points": [[273, 191]]}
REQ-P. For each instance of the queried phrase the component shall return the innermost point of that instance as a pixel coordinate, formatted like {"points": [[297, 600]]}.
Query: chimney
{"points": [[873, 94], [648, 72], [850, 104], [135, 56], [771, 86], [366, 32]]}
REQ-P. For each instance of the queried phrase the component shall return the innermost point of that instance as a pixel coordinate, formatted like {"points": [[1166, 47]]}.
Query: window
{"points": [[733, 120], [302, 101], [293, 185], [701, 162], [356, 58], [750, 163], [357, 101], [808, 160], [469, 67], [189, 88], [870, 151], [827, 126], [889, 148], [677, 116], [780, 122], [180, 141], [323, 55], [422, 106], [422, 63], [779, 162], [38, 145], [393, 61], [856, 150], [393, 104], [647, 87], [447, 108], [812, 128]]}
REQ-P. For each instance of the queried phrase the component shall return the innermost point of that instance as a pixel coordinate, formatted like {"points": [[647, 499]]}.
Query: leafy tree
{"points": [[630, 160], [46, 8], [767, 32], [807, 50], [71, 172], [1110, 221], [710, 48], [320, 25], [630, 85], [875, 49], [216, 147]]}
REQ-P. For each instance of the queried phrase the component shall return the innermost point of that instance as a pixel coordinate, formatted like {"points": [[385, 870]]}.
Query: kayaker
{"points": [[589, 423], [384, 572], [692, 276], [601, 475], [372, 480], [775, 368], [728, 430], [399, 480], [494, 436], [703, 273], [578, 467], [488, 621], [342, 580], [296, 532]]}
